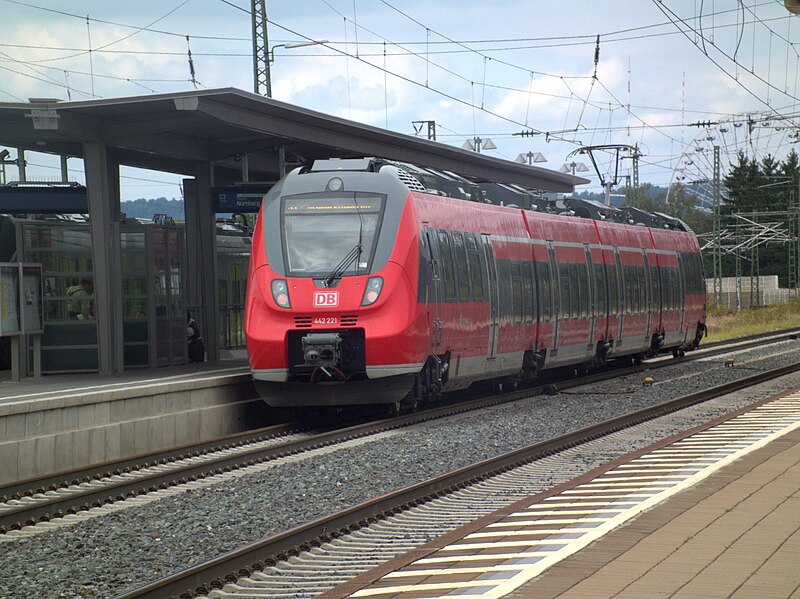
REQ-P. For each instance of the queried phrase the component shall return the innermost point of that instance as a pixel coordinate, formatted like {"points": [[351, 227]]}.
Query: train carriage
{"points": [[368, 288]]}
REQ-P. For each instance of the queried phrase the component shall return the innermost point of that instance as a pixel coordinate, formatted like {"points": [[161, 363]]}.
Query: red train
{"points": [[367, 288]]}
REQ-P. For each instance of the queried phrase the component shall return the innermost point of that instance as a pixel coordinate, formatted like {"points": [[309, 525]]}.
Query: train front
{"points": [[331, 313]]}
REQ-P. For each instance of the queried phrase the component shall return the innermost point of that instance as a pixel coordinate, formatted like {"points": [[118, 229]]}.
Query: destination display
{"points": [[333, 205]]}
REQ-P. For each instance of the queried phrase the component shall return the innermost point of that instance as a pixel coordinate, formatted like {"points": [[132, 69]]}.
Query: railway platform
{"points": [[66, 422], [714, 512]]}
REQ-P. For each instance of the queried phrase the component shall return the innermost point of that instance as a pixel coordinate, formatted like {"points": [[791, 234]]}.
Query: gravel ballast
{"points": [[107, 555]]}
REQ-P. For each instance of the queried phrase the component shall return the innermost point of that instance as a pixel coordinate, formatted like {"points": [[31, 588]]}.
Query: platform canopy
{"points": [[215, 138], [175, 132]]}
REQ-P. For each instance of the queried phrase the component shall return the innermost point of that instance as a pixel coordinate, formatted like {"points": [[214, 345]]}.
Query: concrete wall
{"points": [[44, 436]]}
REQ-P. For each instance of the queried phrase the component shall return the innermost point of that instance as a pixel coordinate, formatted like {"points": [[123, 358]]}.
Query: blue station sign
{"points": [[238, 198]]}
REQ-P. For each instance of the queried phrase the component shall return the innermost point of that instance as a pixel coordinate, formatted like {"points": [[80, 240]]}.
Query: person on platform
{"points": [[80, 305], [197, 349]]}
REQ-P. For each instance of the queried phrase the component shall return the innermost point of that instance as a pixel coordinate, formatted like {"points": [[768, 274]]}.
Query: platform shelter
{"points": [[229, 145]]}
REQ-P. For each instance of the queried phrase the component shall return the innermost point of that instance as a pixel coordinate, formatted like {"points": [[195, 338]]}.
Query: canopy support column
{"points": [[201, 240], [102, 186]]}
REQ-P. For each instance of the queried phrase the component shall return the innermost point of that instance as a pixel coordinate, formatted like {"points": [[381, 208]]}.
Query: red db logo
{"points": [[326, 299]]}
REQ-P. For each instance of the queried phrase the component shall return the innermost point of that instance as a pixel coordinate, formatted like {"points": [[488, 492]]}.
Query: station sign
{"points": [[238, 198], [43, 200]]}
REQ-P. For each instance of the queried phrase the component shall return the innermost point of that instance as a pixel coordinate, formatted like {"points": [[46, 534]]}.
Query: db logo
{"points": [[326, 299]]}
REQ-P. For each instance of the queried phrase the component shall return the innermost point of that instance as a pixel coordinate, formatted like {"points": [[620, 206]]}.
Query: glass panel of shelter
{"points": [[63, 247]]}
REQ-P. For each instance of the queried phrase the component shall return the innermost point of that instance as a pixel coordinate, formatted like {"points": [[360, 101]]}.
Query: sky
{"points": [[673, 78]]}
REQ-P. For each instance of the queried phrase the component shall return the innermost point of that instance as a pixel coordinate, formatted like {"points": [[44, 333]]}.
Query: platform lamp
{"points": [[4, 154], [573, 167], [476, 143], [290, 46], [530, 158]]}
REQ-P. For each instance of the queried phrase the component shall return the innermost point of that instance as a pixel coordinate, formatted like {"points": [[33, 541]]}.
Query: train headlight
{"points": [[280, 293], [373, 291]]}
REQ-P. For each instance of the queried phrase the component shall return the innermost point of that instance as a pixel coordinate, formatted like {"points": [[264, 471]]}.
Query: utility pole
{"points": [[794, 241], [261, 79], [717, 251], [431, 128], [755, 276], [635, 156]]}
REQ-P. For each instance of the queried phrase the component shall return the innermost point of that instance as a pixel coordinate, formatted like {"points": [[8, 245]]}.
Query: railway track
{"points": [[43, 500], [319, 555]]}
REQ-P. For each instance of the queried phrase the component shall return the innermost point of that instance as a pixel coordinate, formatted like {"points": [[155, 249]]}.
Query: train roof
{"points": [[445, 183]]}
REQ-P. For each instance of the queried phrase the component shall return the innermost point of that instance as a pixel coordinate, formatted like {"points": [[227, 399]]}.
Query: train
{"points": [[371, 283]]}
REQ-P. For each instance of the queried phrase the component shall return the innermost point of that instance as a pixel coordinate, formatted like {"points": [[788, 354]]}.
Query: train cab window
{"points": [[460, 256], [448, 271], [476, 268], [318, 232], [600, 294]]}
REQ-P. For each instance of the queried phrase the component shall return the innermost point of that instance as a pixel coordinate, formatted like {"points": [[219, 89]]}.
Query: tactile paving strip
{"points": [[508, 553]]}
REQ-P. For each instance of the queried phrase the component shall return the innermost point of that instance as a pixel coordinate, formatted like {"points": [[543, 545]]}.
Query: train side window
{"points": [[675, 288], [566, 296], [476, 268], [683, 268], [613, 299], [518, 301], [677, 296], [634, 289], [642, 288], [545, 283], [505, 291], [425, 275], [460, 255], [696, 274], [600, 289], [576, 289], [448, 272], [625, 288], [655, 287], [585, 294], [669, 287], [529, 291]]}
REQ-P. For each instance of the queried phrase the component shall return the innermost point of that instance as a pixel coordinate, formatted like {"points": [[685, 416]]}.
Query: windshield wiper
{"points": [[344, 264]]}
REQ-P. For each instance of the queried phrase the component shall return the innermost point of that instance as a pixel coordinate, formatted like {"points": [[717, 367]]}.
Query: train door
{"points": [[555, 283], [591, 298], [651, 301], [621, 299], [494, 289], [434, 298], [681, 307]]}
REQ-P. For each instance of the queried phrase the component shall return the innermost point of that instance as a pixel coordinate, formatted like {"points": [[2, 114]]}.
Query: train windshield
{"points": [[319, 232]]}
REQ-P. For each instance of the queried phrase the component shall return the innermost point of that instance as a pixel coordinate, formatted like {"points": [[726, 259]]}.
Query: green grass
{"points": [[723, 324]]}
